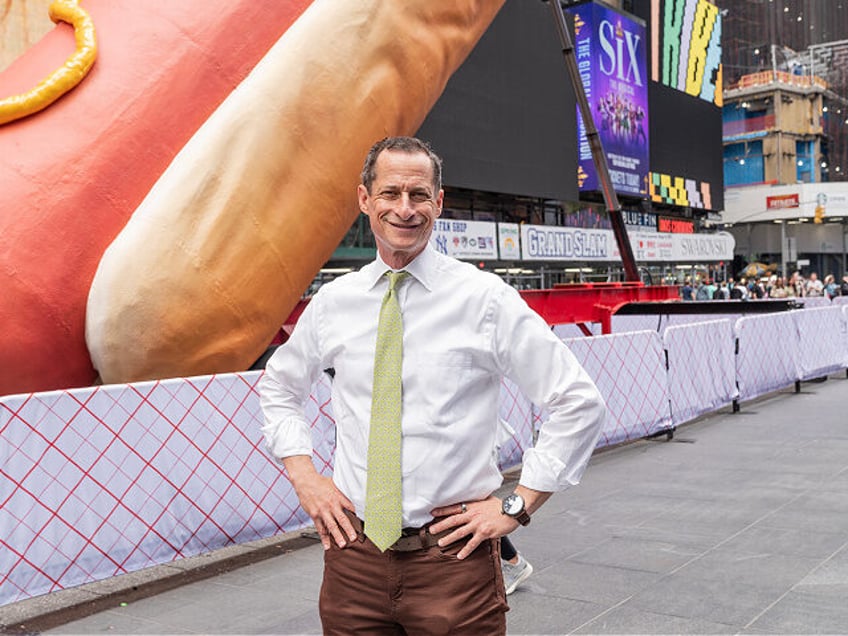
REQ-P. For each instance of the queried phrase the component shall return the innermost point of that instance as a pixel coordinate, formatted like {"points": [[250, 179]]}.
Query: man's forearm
{"points": [[300, 469], [533, 499]]}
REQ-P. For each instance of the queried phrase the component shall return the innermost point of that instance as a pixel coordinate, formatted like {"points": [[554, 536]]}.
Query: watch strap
{"points": [[523, 517]]}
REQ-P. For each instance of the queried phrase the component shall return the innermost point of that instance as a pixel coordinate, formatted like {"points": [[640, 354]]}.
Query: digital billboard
{"points": [[505, 122], [684, 92], [612, 60], [686, 49]]}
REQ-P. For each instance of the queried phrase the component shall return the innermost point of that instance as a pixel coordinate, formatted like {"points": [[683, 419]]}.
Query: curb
{"points": [[50, 610]]}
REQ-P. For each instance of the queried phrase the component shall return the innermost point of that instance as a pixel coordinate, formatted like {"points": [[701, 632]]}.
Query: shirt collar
{"points": [[422, 268]]}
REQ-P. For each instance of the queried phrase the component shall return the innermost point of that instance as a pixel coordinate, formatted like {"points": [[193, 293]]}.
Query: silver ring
{"points": [[463, 508]]}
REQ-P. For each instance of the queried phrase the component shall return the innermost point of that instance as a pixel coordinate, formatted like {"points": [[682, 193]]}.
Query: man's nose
{"points": [[406, 209]]}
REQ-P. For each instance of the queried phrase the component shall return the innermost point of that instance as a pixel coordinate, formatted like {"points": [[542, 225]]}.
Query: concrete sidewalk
{"points": [[737, 525]]}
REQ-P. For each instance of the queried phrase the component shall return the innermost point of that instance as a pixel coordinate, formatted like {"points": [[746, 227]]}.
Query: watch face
{"points": [[513, 505]]}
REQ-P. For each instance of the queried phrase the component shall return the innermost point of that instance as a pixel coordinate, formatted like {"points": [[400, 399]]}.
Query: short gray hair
{"points": [[400, 144]]}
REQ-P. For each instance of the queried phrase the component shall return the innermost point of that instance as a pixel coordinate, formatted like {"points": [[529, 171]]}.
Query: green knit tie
{"points": [[383, 506]]}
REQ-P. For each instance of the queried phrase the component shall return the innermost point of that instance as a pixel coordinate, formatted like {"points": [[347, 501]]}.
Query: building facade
{"points": [[785, 133]]}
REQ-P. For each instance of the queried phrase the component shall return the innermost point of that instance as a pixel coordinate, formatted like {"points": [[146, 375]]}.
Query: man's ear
{"points": [[362, 196]]}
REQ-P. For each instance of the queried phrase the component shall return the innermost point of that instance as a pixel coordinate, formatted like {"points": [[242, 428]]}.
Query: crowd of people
{"points": [[773, 286]]}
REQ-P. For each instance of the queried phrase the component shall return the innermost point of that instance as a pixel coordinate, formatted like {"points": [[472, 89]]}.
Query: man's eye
{"points": [[391, 196], [419, 197]]}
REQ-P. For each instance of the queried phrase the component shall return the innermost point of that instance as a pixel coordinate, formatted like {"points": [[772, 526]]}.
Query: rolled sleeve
{"points": [[564, 448], [550, 375], [286, 434], [285, 388]]}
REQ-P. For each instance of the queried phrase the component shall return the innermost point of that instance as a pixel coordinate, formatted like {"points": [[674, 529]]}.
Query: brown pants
{"points": [[423, 592]]}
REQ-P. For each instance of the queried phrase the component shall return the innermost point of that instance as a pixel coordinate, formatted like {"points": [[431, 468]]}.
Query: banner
{"points": [[639, 221], [703, 247], [650, 246], [550, 243], [508, 247], [465, 239], [611, 53]]}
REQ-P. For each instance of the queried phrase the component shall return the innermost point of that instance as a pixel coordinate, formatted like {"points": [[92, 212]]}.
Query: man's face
{"points": [[402, 205]]}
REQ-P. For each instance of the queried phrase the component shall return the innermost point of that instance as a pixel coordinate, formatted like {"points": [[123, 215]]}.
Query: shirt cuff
{"points": [[288, 438], [545, 473]]}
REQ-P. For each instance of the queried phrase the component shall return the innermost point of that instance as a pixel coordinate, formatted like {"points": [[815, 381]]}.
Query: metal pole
{"points": [[783, 249], [600, 159], [844, 248]]}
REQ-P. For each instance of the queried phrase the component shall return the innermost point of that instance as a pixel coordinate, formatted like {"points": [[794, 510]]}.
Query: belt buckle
{"points": [[411, 539]]}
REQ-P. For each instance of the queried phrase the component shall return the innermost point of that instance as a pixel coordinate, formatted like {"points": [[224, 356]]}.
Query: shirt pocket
{"points": [[354, 376], [448, 385]]}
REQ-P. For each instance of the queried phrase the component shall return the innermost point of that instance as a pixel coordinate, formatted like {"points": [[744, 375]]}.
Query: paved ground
{"points": [[739, 525]]}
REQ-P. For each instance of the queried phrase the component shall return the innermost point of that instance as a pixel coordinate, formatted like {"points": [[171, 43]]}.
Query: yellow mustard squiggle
{"points": [[62, 80]]}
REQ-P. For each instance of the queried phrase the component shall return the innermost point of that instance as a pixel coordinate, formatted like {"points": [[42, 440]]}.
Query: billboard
{"points": [[611, 54], [465, 239], [685, 96], [505, 122], [570, 244], [686, 49]]}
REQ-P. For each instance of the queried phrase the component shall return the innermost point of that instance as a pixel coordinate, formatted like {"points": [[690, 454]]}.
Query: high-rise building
{"points": [[804, 39], [785, 132]]}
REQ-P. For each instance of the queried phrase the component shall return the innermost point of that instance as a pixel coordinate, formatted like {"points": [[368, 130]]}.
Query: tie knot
{"points": [[395, 278]]}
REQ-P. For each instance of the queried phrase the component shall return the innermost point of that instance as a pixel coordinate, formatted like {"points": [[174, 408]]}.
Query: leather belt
{"points": [[411, 539]]}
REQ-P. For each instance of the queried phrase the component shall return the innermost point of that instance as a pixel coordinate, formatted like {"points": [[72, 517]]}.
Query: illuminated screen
{"points": [[506, 122], [612, 60], [686, 48], [686, 150], [685, 129]]}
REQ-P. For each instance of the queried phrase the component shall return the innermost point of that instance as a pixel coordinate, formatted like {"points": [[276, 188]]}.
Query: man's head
{"points": [[401, 144], [402, 196]]}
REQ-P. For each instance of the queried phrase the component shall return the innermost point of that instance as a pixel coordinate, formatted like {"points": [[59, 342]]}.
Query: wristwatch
{"points": [[514, 507]]}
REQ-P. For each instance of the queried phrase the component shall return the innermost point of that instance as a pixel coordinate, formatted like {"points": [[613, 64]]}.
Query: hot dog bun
{"points": [[222, 248]]}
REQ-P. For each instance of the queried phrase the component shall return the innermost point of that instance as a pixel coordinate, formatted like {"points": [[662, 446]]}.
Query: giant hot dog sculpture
{"points": [[72, 174], [219, 251]]}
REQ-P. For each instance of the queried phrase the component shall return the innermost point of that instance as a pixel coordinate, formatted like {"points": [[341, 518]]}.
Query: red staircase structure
{"points": [[580, 303], [577, 303]]}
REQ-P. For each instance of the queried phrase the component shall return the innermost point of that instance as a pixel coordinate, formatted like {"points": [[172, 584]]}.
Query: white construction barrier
{"points": [[822, 346], [629, 371], [101, 481], [810, 302], [106, 480], [701, 372], [767, 357]]}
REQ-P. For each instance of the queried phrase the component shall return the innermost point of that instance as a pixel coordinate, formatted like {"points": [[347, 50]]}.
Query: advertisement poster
{"points": [[650, 246], [703, 247], [551, 243], [465, 239], [508, 241], [611, 54], [485, 240]]}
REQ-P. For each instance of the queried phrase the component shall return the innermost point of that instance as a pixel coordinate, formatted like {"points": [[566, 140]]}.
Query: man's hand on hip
{"points": [[474, 520], [321, 500]]}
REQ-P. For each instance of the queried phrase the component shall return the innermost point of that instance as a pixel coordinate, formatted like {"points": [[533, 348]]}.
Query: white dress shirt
{"points": [[463, 329]]}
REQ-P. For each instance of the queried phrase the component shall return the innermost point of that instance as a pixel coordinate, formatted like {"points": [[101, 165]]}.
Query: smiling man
{"points": [[420, 343], [402, 196]]}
